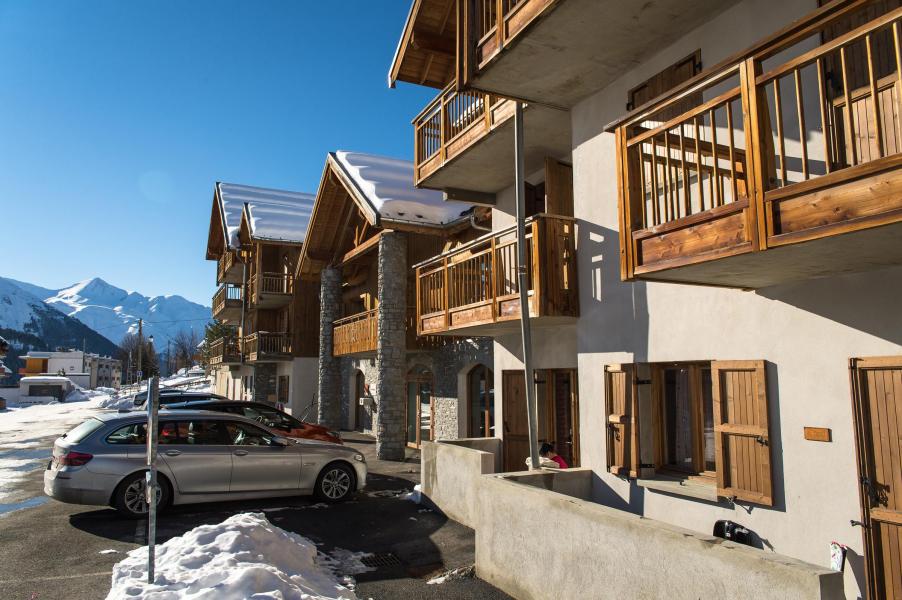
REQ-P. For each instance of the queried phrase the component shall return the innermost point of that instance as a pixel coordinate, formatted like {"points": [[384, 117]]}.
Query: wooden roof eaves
{"points": [[403, 43], [369, 211], [217, 211]]}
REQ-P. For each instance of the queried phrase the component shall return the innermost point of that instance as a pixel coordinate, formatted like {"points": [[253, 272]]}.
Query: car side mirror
{"points": [[279, 441]]}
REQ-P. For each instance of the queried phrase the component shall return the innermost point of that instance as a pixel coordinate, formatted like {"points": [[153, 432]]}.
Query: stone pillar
{"points": [[264, 383], [329, 384], [391, 348]]}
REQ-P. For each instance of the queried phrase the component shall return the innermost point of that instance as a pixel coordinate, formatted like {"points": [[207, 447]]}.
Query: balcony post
{"points": [[752, 112], [391, 347], [522, 279], [329, 374]]}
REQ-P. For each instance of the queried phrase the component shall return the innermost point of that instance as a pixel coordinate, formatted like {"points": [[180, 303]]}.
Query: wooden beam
{"points": [[430, 42], [480, 198], [361, 249]]}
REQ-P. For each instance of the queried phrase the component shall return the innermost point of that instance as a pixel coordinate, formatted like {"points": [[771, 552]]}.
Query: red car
{"points": [[266, 415]]}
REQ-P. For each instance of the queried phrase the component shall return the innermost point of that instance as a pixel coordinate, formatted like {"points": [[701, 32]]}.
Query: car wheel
{"points": [[335, 483], [129, 497]]}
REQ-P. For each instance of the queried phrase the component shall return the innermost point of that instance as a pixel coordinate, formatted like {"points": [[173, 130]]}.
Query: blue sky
{"points": [[116, 118]]}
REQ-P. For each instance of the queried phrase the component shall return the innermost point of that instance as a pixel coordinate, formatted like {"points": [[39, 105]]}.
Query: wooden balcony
{"points": [[356, 334], [228, 269], [227, 303], [270, 290], [225, 351], [750, 178], [561, 62], [473, 290], [267, 347], [465, 141]]}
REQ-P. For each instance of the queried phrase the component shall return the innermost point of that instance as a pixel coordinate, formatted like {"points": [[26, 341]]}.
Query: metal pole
{"points": [[140, 350], [523, 284], [153, 402]]}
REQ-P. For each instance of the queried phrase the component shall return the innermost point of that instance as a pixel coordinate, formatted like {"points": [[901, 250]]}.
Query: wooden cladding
{"points": [[225, 350], [488, 26], [450, 124], [265, 346], [757, 159], [355, 334], [228, 268], [477, 284]]}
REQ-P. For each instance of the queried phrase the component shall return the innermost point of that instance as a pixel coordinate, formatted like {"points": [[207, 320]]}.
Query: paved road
{"points": [[53, 551]]}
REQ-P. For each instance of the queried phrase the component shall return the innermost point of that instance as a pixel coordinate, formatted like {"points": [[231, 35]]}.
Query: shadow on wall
{"points": [[860, 301], [614, 315]]}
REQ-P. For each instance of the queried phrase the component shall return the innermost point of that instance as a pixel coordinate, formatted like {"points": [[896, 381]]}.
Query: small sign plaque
{"points": [[818, 434]]}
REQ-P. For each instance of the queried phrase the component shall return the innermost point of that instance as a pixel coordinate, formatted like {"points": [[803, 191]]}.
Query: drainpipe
{"points": [[475, 225], [523, 284], [243, 308]]}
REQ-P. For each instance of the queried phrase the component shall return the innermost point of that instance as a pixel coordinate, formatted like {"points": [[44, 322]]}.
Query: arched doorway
{"points": [[358, 408], [480, 402], [419, 406]]}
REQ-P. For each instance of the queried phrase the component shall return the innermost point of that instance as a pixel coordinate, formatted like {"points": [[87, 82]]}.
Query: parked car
{"points": [[171, 396], [263, 413], [203, 457]]}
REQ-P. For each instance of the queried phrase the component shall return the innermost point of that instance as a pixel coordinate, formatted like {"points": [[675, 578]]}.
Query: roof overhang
{"points": [[426, 52]]}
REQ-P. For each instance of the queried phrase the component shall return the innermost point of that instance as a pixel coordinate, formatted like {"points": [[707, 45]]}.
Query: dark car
{"points": [[262, 413], [173, 396]]}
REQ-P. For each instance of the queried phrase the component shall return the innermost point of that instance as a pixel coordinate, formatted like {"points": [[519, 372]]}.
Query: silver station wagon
{"points": [[202, 457]]}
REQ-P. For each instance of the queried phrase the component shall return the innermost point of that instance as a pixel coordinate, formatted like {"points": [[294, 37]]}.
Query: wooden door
{"points": [[877, 400], [566, 414], [516, 424]]}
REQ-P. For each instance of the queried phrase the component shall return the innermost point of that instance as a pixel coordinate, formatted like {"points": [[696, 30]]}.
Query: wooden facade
{"points": [[766, 160], [476, 284], [228, 268]]}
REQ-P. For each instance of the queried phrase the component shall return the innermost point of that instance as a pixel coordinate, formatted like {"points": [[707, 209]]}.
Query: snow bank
{"points": [[245, 556], [415, 496]]}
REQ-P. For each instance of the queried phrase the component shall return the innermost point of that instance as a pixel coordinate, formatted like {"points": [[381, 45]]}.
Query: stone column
{"points": [[329, 384], [391, 348], [264, 383]]}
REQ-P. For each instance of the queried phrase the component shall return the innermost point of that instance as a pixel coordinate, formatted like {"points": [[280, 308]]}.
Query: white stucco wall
{"points": [[806, 331], [302, 373]]}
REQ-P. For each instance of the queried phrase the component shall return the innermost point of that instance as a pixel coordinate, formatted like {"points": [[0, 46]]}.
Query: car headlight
{"points": [[359, 457]]}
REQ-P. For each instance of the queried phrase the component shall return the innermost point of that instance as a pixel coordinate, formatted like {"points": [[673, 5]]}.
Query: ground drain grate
{"points": [[378, 561]]}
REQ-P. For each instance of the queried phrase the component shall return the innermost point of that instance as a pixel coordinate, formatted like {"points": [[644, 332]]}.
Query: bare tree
{"points": [[185, 347], [128, 354]]}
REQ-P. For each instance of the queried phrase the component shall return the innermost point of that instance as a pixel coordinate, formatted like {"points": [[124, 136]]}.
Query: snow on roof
{"points": [[387, 184], [276, 214], [280, 216], [46, 379]]}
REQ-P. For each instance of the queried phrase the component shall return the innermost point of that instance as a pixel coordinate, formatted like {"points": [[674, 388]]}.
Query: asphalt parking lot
{"points": [[50, 550]]}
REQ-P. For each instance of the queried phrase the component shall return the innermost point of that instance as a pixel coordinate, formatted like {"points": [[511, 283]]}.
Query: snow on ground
{"points": [[245, 556]]}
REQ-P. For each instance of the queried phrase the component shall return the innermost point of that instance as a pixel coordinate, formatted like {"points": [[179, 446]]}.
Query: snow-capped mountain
{"points": [[114, 312], [28, 323]]}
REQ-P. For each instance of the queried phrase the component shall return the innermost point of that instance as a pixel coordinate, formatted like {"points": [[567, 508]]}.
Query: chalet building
{"points": [[717, 278], [369, 227], [256, 236]]}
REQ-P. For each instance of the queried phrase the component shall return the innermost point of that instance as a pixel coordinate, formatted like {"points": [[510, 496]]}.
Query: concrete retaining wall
{"points": [[452, 472], [534, 543]]}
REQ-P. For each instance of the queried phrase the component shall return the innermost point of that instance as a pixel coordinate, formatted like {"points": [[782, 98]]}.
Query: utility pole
{"points": [[168, 358], [523, 282], [140, 347]]}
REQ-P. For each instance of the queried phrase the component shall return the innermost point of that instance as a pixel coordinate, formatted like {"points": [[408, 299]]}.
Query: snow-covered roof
{"points": [[387, 185], [279, 216], [231, 202], [46, 379]]}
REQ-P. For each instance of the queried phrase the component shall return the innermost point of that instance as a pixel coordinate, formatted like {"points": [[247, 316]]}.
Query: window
{"points": [[702, 423], [136, 433], [270, 417], [201, 433], [241, 434], [83, 431], [481, 383]]}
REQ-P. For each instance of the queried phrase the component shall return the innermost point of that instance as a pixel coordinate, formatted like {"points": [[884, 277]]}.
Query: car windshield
{"points": [[271, 417], [84, 430]]}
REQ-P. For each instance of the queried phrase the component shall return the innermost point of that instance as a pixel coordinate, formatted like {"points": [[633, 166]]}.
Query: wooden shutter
{"points": [[741, 433], [558, 188], [621, 404], [682, 70]]}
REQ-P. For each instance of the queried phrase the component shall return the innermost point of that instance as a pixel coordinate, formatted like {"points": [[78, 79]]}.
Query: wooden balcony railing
{"points": [[225, 350], [270, 288], [734, 161], [224, 267], [355, 334], [227, 296], [496, 22], [451, 123], [261, 346], [476, 284]]}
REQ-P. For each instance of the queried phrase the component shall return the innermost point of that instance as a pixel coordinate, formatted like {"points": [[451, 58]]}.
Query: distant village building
{"points": [[85, 369]]}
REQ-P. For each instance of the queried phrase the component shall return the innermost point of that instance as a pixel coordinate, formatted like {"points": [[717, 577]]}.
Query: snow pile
{"points": [[458, 573], [415, 496], [387, 184], [243, 557], [116, 402]]}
